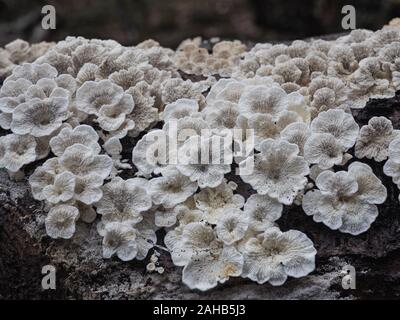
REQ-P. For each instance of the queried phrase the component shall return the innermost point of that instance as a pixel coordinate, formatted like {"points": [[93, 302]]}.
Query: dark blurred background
{"points": [[171, 21]]}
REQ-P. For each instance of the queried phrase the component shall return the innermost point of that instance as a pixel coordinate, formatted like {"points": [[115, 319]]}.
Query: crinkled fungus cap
{"points": [[285, 111]]}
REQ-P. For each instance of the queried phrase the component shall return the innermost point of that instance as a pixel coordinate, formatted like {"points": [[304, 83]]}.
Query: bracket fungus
{"points": [[274, 255], [346, 200], [83, 106], [278, 170]]}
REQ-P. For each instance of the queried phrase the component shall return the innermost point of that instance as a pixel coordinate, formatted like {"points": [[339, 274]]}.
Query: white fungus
{"points": [[201, 161], [180, 108], [339, 124], [107, 101], [82, 161], [12, 94], [39, 117], [278, 170], [205, 259], [171, 189], [82, 134], [297, 133], [62, 189], [374, 139], [16, 151], [232, 226], [323, 149], [392, 165], [274, 255], [88, 189], [60, 221], [150, 153], [124, 200], [119, 239], [346, 200], [88, 103], [262, 211], [214, 201], [206, 269]]}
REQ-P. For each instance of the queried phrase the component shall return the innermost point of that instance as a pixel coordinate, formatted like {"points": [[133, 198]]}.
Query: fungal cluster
{"points": [[97, 120]]}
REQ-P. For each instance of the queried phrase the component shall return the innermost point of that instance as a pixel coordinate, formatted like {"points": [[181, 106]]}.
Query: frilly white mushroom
{"points": [[46, 88], [274, 255], [214, 201], [88, 72], [124, 200], [171, 189], [39, 180], [342, 61], [346, 200], [83, 99], [175, 88], [82, 161], [201, 162], [184, 128], [60, 221], [205, 270], [33, 72], [323, 149], [146, 238], [164, 217], [232, 226], [180, 108], [196, 237], [40, 117], [374, 139], [286, 71], [16, 151], [278, 170], [88, 189], [12, 94], [127, 78], [151, 152], [370, 80], [386, 36], [183, 215], [392, 165], [262, 99], [193, 59], [226, 90], [107, 101], [62, 188], [144, 114], [266, 126], [221, 115], [339, 124], [205, 259], [82, 134], [19, 51], [67, 82], [296, 133], [119, 239], [262, 211]]}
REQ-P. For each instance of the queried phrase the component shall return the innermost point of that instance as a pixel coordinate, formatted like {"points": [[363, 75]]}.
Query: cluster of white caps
{"points": [[84, 104]]}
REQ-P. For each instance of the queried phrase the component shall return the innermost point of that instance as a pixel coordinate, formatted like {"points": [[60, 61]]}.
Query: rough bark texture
{"points": [[83, 274]]}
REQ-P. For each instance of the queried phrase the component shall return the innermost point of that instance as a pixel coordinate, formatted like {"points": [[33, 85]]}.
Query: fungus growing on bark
{"points": [[278, 170], [60, 221], [374, 139], [274, 255], [346, 200], [92, 102]]}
